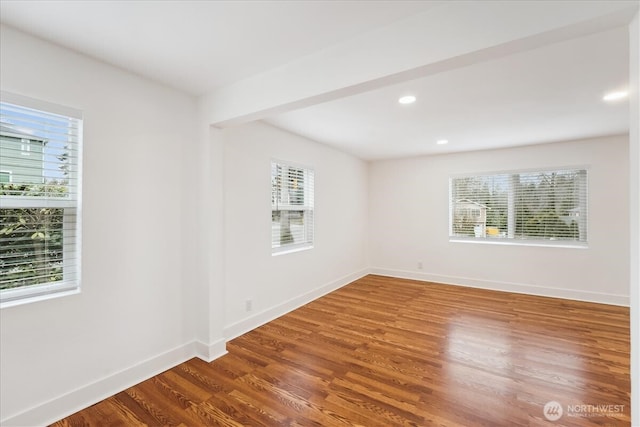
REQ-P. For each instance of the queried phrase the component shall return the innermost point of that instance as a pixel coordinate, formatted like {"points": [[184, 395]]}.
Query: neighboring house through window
{"points": [[39, 199], [15, 145], [547, 206], [292, 201]]}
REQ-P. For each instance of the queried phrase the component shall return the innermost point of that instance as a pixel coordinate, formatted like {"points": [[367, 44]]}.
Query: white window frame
{"points": [[509, 239], [25, 147], [70, 284], [307, 208], [9, 173]]}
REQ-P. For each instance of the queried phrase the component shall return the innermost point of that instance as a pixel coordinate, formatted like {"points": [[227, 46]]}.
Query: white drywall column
{"points": [[427, 43], [634, 203], [216, 264], [209, 295]]}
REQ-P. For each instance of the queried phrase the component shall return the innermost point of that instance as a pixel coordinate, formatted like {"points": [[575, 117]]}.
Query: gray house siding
{"points": [[21, 158]]}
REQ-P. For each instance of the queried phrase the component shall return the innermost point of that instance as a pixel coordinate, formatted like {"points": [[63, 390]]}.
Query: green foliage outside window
{"points": [[547, 205], [31, 239]]}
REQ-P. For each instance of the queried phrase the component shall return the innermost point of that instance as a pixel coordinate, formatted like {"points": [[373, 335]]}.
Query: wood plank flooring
{"points": [[391, 352]]}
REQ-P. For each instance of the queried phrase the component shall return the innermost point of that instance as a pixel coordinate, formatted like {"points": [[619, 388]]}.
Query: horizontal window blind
{"points": [[39, 201], [292, 204], [549, 205]]}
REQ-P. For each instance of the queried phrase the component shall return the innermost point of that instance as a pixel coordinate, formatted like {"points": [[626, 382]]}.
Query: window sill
{"points": [[290, 249], [515, 242], [13, 298]]}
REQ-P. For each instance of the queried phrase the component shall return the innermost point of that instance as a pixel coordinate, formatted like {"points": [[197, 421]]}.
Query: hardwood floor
{"points": [[386, 352]]}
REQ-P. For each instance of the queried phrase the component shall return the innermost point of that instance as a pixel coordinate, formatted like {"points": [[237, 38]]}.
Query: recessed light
{"points": [[409, 99], [615, 96], [442, 141]]}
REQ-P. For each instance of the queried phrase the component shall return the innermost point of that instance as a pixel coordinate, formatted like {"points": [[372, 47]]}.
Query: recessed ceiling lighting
{"points": [[615, 96], [442, 141], [409, 99]]}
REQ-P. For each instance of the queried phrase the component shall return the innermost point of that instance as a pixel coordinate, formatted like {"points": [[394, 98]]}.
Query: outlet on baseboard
{"points": [[248, 305], [419, 265]]}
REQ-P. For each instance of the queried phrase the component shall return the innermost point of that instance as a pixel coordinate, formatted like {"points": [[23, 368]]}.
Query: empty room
{"points": [[319, 213]]}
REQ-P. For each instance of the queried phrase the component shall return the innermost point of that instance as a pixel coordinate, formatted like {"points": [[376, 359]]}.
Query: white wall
{"points": [[408, 216], [634, 215], [129, 320], [153, 289], [277, 284]]}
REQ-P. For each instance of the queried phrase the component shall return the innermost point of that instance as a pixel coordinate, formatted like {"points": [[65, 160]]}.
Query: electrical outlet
{"points": [[419, 265], [248, 305]]}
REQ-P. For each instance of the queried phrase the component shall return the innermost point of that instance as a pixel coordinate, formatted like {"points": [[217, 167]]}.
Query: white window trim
{"points": [[65, 287], [299, 247], [8, 173], [289, 249], [35, 293], [25, 147], [520, 242]]}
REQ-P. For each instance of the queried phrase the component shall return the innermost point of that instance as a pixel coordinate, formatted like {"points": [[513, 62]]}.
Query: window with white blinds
{"points": [[39, 199], [291, 207], [547, 206]]}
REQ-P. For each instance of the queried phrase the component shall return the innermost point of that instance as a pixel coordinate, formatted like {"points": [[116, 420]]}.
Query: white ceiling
{"points": [[548, 94], [199, 45]]}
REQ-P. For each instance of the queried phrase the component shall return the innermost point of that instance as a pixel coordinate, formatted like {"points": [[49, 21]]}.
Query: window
{"points": [[291, 207], [39, 204], [548, 206], [25, 147]]}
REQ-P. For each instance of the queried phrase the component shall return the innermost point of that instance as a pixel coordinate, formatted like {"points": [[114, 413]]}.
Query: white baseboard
{"points": [[210, 352], [519, 288], [83, 397], [236, 329]]}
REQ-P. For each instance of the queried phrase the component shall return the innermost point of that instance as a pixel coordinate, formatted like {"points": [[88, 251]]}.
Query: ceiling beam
{"points": [[449, 36]]}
